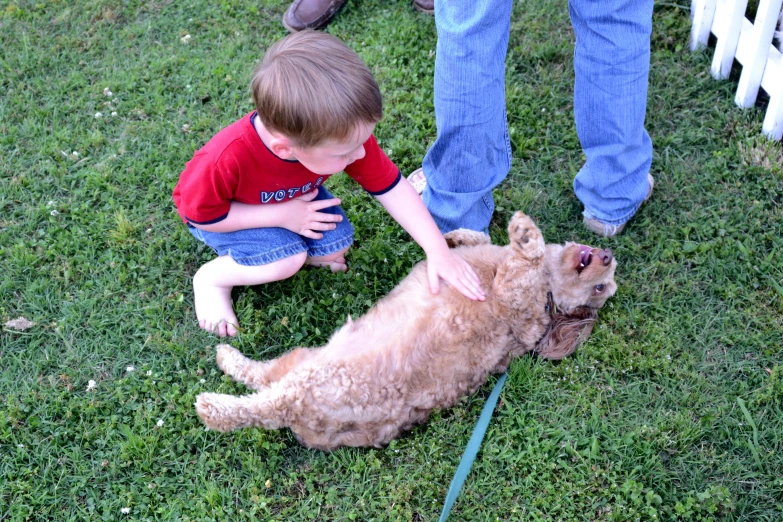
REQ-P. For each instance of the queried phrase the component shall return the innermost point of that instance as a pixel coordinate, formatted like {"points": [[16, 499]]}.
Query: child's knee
{"points": [[289, 266]]}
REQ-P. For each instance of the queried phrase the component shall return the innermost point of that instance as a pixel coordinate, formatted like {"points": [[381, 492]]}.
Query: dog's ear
{"points": [[566, 333]]}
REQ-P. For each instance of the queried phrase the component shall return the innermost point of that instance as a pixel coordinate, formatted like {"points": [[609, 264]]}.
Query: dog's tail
{"points": [[227, 412], [566, 333]]}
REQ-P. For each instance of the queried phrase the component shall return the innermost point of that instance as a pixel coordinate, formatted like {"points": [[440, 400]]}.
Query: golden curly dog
{"points": [[413, 351]]}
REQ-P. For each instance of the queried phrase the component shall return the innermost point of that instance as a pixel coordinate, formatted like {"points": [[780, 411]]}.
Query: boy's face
{"points": [[332, 157]]}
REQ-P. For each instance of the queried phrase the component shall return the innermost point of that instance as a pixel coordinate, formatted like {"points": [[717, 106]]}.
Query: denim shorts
{"points": [[261, 246]]}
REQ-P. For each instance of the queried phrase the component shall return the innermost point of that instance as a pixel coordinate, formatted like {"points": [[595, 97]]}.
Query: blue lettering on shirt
{"points": [[283, 194]]}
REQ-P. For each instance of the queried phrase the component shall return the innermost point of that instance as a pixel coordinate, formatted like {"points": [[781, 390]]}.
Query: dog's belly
{"points": [[397, 382], [392, 321], [411, 353]]}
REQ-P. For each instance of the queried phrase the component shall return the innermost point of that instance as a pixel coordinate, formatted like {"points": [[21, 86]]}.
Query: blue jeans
{"points": [[261, 246], [472, 153]]}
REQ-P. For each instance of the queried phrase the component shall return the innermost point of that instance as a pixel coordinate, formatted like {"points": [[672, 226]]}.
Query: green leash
{"points": [[472, 449]]}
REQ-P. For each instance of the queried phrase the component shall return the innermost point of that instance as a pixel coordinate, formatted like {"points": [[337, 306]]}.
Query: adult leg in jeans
{"points": [[472, 152], [612, 63]]}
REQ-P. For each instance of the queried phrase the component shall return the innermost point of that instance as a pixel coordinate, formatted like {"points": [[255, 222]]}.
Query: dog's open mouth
{"points": [[585, 257]]}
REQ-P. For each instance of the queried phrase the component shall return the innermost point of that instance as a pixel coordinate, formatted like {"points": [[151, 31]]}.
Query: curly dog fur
{"points": [[413, 351]]}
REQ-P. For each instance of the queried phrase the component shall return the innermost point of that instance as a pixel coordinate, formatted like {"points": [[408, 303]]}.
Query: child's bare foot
{"points": [[214, 309], [336, 261], [418, 180], [337, 265]]}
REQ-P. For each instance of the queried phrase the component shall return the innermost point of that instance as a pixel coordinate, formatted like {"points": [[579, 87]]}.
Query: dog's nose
{"points": [[605, 256]]}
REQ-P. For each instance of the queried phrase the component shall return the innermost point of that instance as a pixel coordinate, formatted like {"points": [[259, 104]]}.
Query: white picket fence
{"points": [[751, 44]]}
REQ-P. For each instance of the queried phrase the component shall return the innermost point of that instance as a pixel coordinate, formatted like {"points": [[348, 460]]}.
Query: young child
{"points": [[255, 192]]}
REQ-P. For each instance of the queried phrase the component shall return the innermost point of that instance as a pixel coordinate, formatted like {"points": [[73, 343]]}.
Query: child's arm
{"points": [[407, 208], [300, 215]]}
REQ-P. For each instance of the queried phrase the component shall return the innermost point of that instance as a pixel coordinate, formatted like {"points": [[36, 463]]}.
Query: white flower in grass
{"points": [[149, 373], [91, 385], [186, 128], [51, 202], [130, 368], [99, 115], [125, 510], [202, 381], [54, 212], [107, 92], [114, 113], [159, 424], [185, 39]]}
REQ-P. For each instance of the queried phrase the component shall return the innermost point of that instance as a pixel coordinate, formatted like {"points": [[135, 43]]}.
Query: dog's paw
{"points": [[228, 358], [525, 235], [209, 408], [205, 408], [465, 237]]}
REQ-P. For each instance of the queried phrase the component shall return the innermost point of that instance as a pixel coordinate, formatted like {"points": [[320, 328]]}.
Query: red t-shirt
{"points": [[235, 165]]}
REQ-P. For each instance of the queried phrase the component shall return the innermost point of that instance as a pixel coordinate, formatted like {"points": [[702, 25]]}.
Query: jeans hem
{"points": [[331, 248], [614, 222], [268, 257]]}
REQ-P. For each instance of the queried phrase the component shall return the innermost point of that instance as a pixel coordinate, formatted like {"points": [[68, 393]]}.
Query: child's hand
{"points": [[455, 271], [302, 215]]}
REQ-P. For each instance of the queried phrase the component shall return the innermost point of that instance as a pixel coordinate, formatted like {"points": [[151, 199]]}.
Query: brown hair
{"points": [[311, 87], [566, 332]]}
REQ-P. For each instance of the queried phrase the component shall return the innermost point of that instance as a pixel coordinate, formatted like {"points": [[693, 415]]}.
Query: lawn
{"points": [[672, 411]]}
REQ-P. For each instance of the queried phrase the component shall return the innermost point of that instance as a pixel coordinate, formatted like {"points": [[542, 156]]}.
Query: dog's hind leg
{"points": [[257, 374], [226, 412]]}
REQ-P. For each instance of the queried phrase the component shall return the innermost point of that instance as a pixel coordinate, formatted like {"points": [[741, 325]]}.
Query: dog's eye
{"points": [[600, 288]]}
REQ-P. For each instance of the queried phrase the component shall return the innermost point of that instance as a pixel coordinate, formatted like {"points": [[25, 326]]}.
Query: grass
{"points": [[672, 411]]}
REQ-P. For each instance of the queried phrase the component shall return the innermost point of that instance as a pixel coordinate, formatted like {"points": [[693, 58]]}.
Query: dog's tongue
{"points": [[584, 255]]}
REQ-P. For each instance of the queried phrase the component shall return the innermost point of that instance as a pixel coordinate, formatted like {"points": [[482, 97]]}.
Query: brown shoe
{"points": [[310, 14], [602, 229], [425, 6]]}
